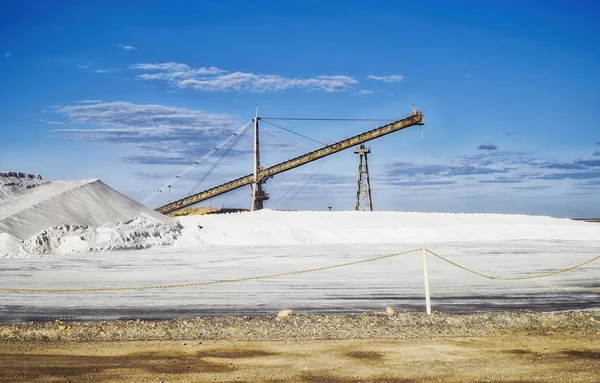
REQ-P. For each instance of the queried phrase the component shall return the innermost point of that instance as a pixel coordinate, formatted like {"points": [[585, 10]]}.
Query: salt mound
{"points": [[76, 203], [62, 217], [267, 227], [140, 233], [13, 184]]}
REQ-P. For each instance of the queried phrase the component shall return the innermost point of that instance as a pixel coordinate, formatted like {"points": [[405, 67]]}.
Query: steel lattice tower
{"points": [[363, 185]]}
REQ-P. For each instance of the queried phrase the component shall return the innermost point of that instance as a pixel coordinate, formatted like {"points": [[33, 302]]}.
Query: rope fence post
{"points": [[426, 281]]}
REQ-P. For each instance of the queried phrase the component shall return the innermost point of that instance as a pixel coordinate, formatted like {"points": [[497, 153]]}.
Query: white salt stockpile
{"points": [[84, 203], [81, 216], [13, 184], [74, 216], [352, 227]]}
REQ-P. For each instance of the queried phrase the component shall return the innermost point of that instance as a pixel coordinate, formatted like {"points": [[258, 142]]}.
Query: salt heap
{"points": [[285, 228], [13, 184], [40, 217]]}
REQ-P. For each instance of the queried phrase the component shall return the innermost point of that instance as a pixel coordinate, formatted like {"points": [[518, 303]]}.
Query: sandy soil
{"points": [[516, 358]]}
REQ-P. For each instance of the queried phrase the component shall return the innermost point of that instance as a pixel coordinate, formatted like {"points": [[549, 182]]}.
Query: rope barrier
{"points": [[512, 278], [104, 289], [268, 276]]}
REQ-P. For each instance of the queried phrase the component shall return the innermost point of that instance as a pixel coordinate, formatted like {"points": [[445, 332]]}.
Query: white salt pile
{"points": [[268, 227], [45, 218], [39, 217], [13, 184]]}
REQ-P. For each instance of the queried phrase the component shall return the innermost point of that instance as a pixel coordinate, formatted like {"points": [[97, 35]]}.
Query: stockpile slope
{"points": [[13, 184], [80, 203], [39, 218], [351, 227]]}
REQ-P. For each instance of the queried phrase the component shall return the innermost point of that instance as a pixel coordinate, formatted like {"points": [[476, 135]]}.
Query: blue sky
{"points": [[131, 92]]}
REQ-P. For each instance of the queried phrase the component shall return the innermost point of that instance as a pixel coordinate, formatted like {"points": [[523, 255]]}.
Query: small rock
{"points": [[284, 314], [389, 311]]}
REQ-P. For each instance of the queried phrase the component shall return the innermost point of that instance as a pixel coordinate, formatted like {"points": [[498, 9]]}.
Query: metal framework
{"points": [[258, 194], [363, 184], [260, 174]]}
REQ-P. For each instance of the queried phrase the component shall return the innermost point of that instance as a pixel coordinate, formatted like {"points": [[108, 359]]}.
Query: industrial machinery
{"points": [[363, 184], [260, 175]]}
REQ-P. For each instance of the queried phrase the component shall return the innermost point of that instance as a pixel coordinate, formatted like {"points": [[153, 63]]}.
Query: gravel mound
{"points": [[313, 327]]}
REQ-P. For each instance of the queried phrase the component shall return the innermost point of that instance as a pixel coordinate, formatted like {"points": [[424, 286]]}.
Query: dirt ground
{"points": [[401, 347], [507, 358]]}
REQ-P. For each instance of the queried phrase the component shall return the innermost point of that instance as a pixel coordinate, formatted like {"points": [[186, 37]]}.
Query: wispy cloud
{"points": [[213, 79], [56, 123], [487, 147], [106, 70], [419, 183], [571, 175], [88, 101], [400, 169], [562, 165], [503, 180], [573, 165], [391, 78], [160, 134], [531, 188], [588, 163], [365, 91], [127, 47], [497, 170], [596, 153], [591, 184]]}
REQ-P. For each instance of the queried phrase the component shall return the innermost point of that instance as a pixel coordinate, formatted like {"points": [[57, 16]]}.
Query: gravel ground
{"points": [[312, 327]]}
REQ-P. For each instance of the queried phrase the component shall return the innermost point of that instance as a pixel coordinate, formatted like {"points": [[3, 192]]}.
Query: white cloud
{"points": [[160, 134], [392, 78], [106, 70], [55, 123], [82, 66], [89, 101], [127, 47], [170, 66], [365, 91], [214, 79]]}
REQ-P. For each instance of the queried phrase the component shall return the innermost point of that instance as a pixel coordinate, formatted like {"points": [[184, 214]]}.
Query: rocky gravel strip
{"points": [[312, 327]]}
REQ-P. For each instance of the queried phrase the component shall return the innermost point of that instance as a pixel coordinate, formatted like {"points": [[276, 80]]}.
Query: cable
{"points": [[229, 194], [305, 175], [513, 278], [327, 119], [221, 158], [296, 184], [197, 162], [210, 170], [291, 131], [307, 181], [204, 283]]}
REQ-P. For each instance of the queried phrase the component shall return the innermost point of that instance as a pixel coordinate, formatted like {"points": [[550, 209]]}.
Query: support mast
{"points": [[363, 184], [258, 195]]}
